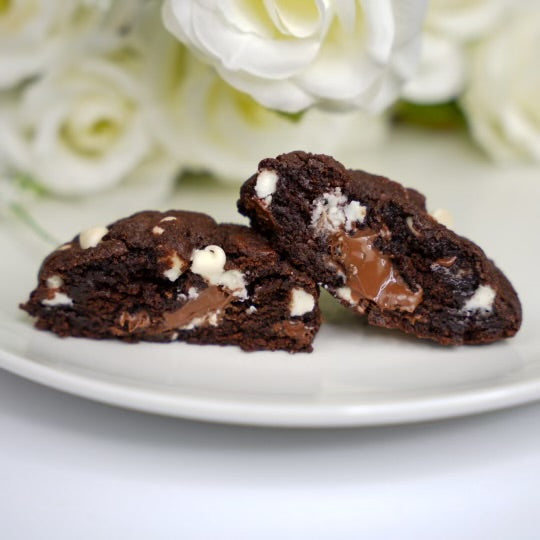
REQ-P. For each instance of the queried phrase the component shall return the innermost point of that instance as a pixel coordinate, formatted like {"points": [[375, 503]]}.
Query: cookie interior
{"points": [[370, 242]]}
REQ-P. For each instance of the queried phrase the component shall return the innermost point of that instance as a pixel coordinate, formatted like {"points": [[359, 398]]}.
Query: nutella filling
{"points": [[370, 274], [199, 311]]}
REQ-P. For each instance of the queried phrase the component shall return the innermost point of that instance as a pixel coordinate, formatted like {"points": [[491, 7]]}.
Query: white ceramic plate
{"points": [[357, 375]]}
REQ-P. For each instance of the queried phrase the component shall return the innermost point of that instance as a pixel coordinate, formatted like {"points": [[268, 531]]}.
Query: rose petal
{"points": [[300, 18], [341, 71], [464, 21], [381, 28], [173, 14], [441, 75], [282, 94], [214, 110], [520, 128], [248, 16], [408, 15], [273, 59], [346, 11]]}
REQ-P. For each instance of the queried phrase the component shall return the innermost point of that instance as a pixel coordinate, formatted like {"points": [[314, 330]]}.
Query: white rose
{"points": [[77, 130], [91, 121], [291, 55], [449, 27], [502, 102], [228, 132]]}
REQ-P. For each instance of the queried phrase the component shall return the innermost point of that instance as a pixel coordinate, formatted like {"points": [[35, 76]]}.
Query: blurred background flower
{"points": [[92, 92], [36, 34], [450, 27], [502, 102], [229, 132], [95, 114], [80, 128]]}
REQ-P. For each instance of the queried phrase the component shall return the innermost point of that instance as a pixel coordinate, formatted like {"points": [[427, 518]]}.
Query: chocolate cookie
{"points": [[371, 243], [176, 276]]}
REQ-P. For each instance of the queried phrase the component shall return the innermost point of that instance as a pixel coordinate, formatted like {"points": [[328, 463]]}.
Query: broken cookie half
{"points": [[370, 242], [176, 276]]}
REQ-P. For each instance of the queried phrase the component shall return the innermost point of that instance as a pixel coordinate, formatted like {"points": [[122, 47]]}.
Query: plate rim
{"points": [[355, 410], [238, 412]]}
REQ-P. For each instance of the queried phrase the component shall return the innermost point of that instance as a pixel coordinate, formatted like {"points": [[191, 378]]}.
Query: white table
{"points": [[74, 469]]}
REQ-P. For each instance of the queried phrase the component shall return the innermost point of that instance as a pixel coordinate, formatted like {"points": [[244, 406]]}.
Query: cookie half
{"points": [[176, 276], [370, 242]]}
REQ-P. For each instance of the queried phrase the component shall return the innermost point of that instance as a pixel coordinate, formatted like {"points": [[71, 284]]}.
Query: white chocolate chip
{"points": [[301, 302], [210, 318], [266, 185], [443, 216], [331, 211], [90, 238], [210, 263], [59, 299], [64, 247], [158, 230], [168, 218], [55, 282], [194, 323], [177, 267], [251, 309], [354, 213], [174, 336], [345, 293], [232, 280], [481, 300]]}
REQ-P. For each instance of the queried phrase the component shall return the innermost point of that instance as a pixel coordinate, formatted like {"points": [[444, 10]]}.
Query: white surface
{"points": [[71, 468], [357, 375]]}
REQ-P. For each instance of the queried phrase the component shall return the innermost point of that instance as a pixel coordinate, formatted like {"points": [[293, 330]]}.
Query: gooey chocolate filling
{"points": [[370, 273], [210, 300]]}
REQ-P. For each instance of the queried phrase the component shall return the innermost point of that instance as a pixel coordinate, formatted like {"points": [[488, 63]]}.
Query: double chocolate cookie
{"points": [[176, 276], [371, 243]]}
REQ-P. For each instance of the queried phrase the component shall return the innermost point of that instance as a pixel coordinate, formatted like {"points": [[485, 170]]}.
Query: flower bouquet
{"points": [[91, 91]]}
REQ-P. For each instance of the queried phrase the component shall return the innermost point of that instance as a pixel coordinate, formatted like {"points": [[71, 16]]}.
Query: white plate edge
{"points": [[274, 415]]}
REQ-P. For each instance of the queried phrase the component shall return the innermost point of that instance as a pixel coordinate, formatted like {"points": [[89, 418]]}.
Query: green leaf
{"points": [[441, 116], [195, 178], [24, 182], [27, 218], [292, 117]]}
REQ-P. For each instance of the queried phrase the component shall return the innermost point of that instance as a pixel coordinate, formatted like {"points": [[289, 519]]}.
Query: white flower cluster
{"points": [[92, 90], [291, 54], [484, 55], [83, 82]]}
